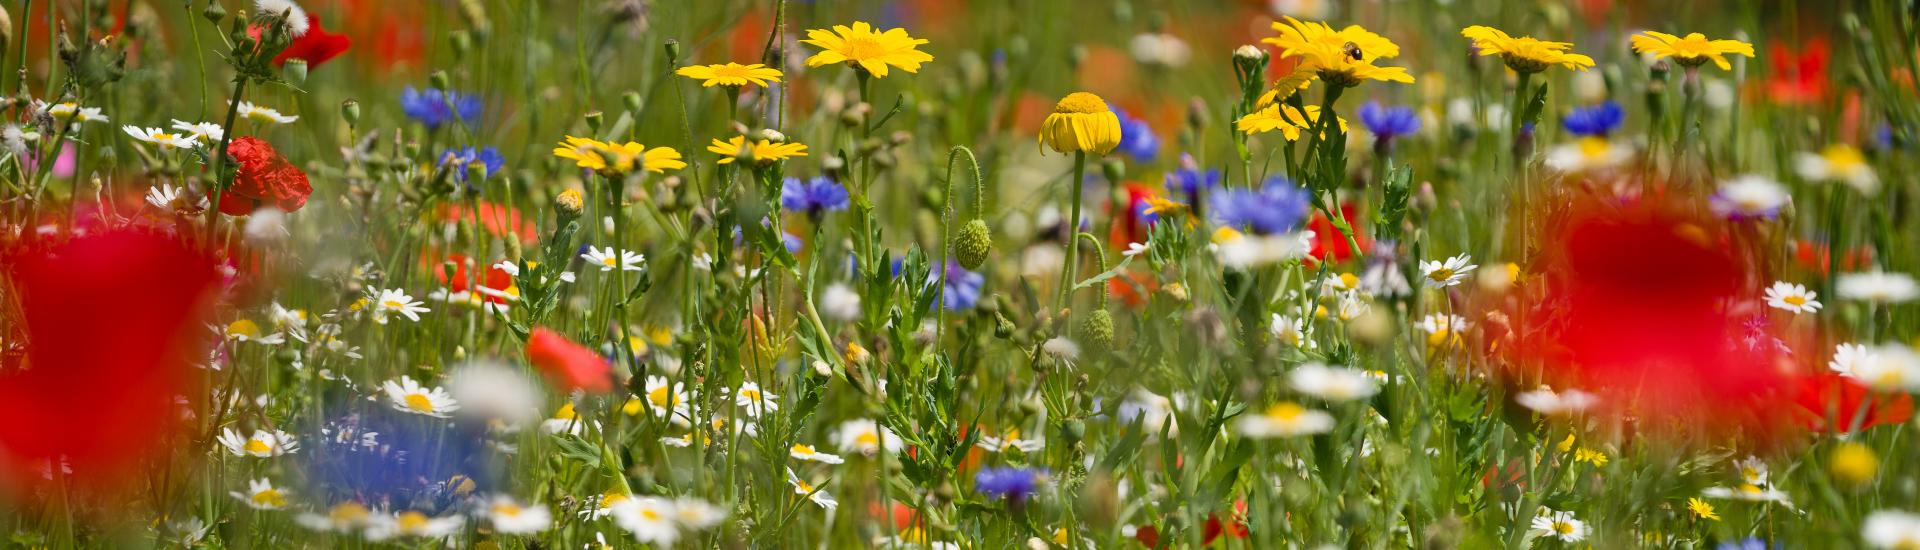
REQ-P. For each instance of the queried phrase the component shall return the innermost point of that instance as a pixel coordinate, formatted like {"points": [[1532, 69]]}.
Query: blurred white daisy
{"points": [[1838, 162], [263, 443], [509, 517], [262, 495], [1792, 298], [208, 133], [1588, 153], [1550, 403], [409, 396], [70, 112], [650, 519], [1010, 440], [1891, 529], [1284, 419], [394, 301], [696, 514], [1877, 286], [1332, 383], [341, 518], [1750, 196], [166, 140], [802, 451], [749, 397], [1559, 525], [263, 115], [412, 524], [815, 494], [864, 436]]}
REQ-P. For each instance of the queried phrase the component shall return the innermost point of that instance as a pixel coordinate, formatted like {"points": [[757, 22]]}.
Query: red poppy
{"points": [[1833, 403], [1235, 526], [102, 409], [1798, 79], [492, 289], [568, 366], [1148, 535], [1129, 225], [316, 47], [264, 179], [1815, 256], [1328, 240], [497, 220]]}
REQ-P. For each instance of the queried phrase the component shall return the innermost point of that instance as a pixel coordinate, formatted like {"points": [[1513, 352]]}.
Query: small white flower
{"points": [[341, 518], [1547, 402], [1443, 324], [1285, 419], [1241, 251], [410, 396], [1010, 440], [263, 115], [750, 398], [609, 259], [174, 200], [166, 140], [1560, 525], [265, 226], [1890, 368], [1292, 331], [1750, 492], [412, 524], [1841, 163], [865, 436], [1332, 383], [262, 495], [802, 451], [394, 301], [490, 391], [1750, 196], [1752, 470], [816, 495], [1160, 49], [1792, 298], [1135, 249], [511, 518], [667, 400], [70, 112], [840, 303], [1891, 529], [650, 519], [1442, 274], [695, 514], [507, 266], [208, 133], [262, 443], [1588, 153], [1877, 286]]}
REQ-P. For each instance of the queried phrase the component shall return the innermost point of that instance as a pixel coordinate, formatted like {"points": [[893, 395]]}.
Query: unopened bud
{"points": [[633, 101], [568, 204], [973, 243], [438, 80], [214, 12], [295, 70], [673, 51], [594, 119], [350, 110]]}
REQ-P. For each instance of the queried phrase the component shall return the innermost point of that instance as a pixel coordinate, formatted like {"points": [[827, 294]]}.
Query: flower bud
{"points": [[295, 70], [1002, 327], [973, 243], [568, 204], [1097, 330], [673, 51], [214, 12], [1073, 430], [462, 43], [439, 80], [350, 110], [594, 119], [633, 101]]}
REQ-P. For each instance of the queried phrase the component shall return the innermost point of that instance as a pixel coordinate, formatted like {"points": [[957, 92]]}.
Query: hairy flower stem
{"points": [[1073, 250]]}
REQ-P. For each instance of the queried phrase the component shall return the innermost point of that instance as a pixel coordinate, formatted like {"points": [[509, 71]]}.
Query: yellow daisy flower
{"points": [[872, 51], [1692, 50], [1081, 122], [731, 74], [1702, 509], [1525, 54], [760, 152], [1341, 58], [612, 158], [1289, 121]]}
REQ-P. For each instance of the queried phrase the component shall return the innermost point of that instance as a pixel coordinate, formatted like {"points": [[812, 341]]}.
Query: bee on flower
{"points": [[1445, 273], [871, 52], [1343, 58], [410, 396], [264, 115], [1792, 298], [1284, 419], [262, 495], [263, 443], [609, 259]]}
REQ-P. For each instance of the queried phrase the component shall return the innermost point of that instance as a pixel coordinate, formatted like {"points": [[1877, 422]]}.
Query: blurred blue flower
{"points": [[1277, 207], [1749, 543], [1190, 180], [1009, 483], [1598, 120], [1389, 122], [1136, 137], [792, 242], [461, 158], [963, 287], [813, 196], [435, 108]]}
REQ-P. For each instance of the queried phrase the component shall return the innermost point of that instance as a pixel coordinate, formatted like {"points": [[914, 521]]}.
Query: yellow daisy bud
{"points": [[1081, 122]]}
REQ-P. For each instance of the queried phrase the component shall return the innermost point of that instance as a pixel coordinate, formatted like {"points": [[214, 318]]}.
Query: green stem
{"points": [[1073, 251]]}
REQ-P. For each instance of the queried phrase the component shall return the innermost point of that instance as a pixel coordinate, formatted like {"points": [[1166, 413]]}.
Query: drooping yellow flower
{"points": [[871, 51], [1289, 121], [1294, 83], [731, 74], [1525, 54], [1692, 50], [760, 152], [1081, 122], [611, 158], [1341, 58]]}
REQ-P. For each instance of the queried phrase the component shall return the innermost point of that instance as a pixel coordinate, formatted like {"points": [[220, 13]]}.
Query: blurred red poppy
{"points": [[1834, 403], [264, 179], [113, 322], [568, 366], [316, 47], [1798, 78], [497, 220], [1330, 241], [492, 288]]}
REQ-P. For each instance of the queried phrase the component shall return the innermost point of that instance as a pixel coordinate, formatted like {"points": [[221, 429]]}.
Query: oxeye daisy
{"points": [[262, 443], [761, 152], [1877, 287], [865, 436], [1892, 529], [1691, 50], [262, 495], [208, 133], [609, 259], [1588, 153], [732, 75], [1010, 440], [1750, 197], [245, 330], [870, 51], [1559, 525], [813, 493], [410, 396], [70, 112], [1334, 384], [1443, 274], [1284, 419], [1792, 298], [667, 400], [412, 524], [1551, 403], [343, 517], [802, 451], [394, 301], [1081, 123], [1444, 330], [755, 401], [166, 140], [1838, 162], [175, 200], [1292, 331], [510, 517], [1524, 54], [695, 514], [264, 115]]}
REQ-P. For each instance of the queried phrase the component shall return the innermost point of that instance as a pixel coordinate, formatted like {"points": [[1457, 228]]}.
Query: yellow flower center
{"points": [[506, 509], [411, 521], [662, 397], [1842, 157], [565, 413], [1563, 528], [1594, 147], [244, 328], [347, 512], [610, 499], [270, 497], [650, 514], [1080, 103], [609, 261], [392, 304], [419, 402], [868, 439], [1349, 281], [1440, 274], [1795, 300], [803, 448], [803, 486], [863, 47], [1285, 412], [750, 394], [257, 446]]}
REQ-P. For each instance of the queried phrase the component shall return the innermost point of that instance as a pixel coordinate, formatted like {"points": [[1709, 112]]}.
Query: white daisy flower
{"points": [[245, 330], [1792, 298], [1752, 470], [262, 443], [1750, 196], [695, 514], [166, 140], [262, 495], [610, 259], [70, 112], [1292, 331], [394, 301], [1891, 529], [1159, 49], [264, 115], [1588, 153], [1559, 525], [565, 421], [341, 518], [1441, 325], [208, 133], [1751, 492], [1550, 403], [410, 396], [1877, 286], [1890, 368], [650, 519], [1135, 249], [668, 400], [816, 495], [865, 436], [412, 524], [840, 303], [802, 451], [751, 398], [1284, 419], [1332, 383], [1352, 306], [1239, 251], [1442, 274], [495, 392], [1841, 163], [1010, 440], [511, 518]]}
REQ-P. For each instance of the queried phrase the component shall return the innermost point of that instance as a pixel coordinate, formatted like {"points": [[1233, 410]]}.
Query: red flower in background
{"points": [[1798, 79], [112, 323], [1328, 240], [497, 220], [264, 179], [316, 47], [1831, 402], [568, 366], [1815, 256], [493, 288]]}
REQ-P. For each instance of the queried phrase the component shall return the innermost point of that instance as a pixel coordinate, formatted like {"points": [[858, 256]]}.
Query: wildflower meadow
{"points": [[989, 274]]}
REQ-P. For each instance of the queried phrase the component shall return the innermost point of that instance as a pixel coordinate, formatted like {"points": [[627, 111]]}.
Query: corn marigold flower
{"points": [[410, 396], [1524, 54], [870, 51], [1852, 463], [263, 443], [1081, 123], [1559, 525], [731, 74], [761, 152], [618, 158], [568, 366], [166, 140], [1838, 162], [1289, 121], [1691, 50], [262, 495], [1342, 58], [1701, 509], [1284, 419], [1792, 298]]}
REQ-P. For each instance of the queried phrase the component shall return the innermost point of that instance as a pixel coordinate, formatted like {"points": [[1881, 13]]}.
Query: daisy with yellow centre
{"points": [[732, 75], [343, 517], [1588, 153], [245, 330], [1284, 419], [1559, 525], [263, 443], [1010, 441], [668, 400], [264, 115], [609, 259], [393, 301], [761, 152], [1444, 330], [1342, 58], [1081, 123], [1838, 162], [650, 519], [262, 495], [866, 437], [1525, 54], [1691, 50], [70, 112], [1792, 298], [413, 523], [409, 396], [871, 52], [1446, 273], [755, 401], [802, 451], [167, 141], [1289, 121], [815, 494], [510, 517]]}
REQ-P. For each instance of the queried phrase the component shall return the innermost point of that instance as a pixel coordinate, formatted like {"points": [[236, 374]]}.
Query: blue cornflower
{"points": [[1749, 543], [1277, 207], [1388, 122], [431, 107], [963, 287], [1190, 180], [1136, 137], [791, 241], [1598, 120], [813, 196], [1015, 484], [460, 159]]}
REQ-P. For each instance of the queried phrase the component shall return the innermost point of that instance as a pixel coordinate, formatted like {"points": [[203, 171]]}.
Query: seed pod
{"points": [[972, 244]]}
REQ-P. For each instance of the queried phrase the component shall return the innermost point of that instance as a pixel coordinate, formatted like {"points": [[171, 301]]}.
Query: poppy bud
{"points": [[1002, 328], [350, 110], [1073, 430], [214, 12], [594, 119], [973, 243], [1097, 329], [462, 43], [673, 51], [438, 80], [633, 101]]}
